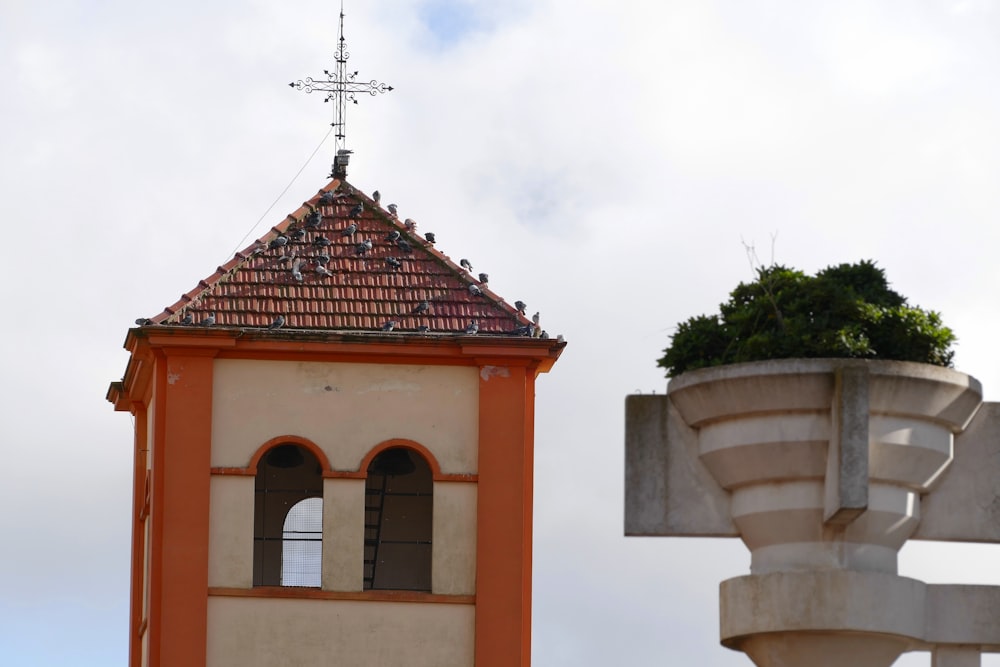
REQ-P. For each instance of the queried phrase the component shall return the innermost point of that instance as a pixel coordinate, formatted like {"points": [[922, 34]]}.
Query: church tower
{"points": [[334, 448], [333, 455]]}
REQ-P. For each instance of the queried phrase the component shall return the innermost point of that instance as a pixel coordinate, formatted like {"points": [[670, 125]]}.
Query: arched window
{"points": [[288, 518], [399, 499]]}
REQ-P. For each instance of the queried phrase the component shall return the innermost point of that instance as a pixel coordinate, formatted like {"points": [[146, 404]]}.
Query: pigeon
{"points": [[393, 236], [278, 242], [363, 247], [286, 258], [466, 264], [523, 331], [474, 290], [297, 270], [388, 326], [422, 307], [278, 322], [327, 197], [484, 278], [392, 210], [357, 210], [188, 319], [544, 335], [404, 245], [560, 339], [322, 258], [296, 234], [377, 197], [323, 271], [521, 306], [313, 219], [411, 224], [143, 321], [321, 241], [473, 328], [349, 230], [423, 328], [430, 237], [535, 317], [209, 320], [258, 248], [393, 262]]}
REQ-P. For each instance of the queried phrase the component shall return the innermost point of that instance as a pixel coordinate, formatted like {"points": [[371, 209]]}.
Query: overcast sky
{"points": [[606, 162]]}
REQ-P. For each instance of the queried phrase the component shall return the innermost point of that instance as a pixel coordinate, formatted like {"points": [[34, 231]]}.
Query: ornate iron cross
{"points": [[341, 87]]}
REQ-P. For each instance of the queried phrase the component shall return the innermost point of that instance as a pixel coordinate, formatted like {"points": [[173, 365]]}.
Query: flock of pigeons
{"points": [[301, 255]]}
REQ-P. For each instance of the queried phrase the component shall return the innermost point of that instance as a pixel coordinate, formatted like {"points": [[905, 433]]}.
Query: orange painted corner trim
{"points": [[296, 593]]}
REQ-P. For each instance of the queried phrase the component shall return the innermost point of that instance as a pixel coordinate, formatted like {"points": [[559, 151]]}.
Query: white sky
{"points": [[604, 162]]}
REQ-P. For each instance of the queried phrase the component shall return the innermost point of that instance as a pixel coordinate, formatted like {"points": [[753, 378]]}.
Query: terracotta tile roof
{"points": [[344, 286]]}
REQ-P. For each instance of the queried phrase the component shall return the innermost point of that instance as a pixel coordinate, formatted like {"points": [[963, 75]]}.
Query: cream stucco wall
{"points": [[261, 632], [346, 409], [343, 534], [230, 542], [453, 564]]}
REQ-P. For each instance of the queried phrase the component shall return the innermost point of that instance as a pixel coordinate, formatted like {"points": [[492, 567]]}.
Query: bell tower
{"points": [[333, 454]]}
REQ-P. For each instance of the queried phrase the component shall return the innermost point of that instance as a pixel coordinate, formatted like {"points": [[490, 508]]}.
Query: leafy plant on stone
{"points": [[846, 310]]}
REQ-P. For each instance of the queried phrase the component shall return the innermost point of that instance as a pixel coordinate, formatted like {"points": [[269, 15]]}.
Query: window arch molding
{"points": [[313, 448], [404, 444]]}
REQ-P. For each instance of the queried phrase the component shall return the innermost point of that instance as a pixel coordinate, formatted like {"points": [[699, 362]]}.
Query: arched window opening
{"points": [[288, 518], [399, 500]]}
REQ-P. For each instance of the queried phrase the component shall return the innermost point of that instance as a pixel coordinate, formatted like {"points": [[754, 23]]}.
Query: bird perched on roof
{"points": [[474, 290], [472, 328], [392, 210], [321, 241], [393, 262], [277, 323], [536, 317], [296, 234], [286, 258], [484, 278], [423, 328], [349, 230], [389, 326], [322, 270], [393, 236], [521, 306], [297, 270], [377, 197], [363, 247], [404, 245], [466, 264], [313, 219], [411, 224], [357, 210], [209, 320], [188, 319], [430, 237], [328, 197], [322, 258], [524, 331], [277, 242], [544, 335], [143, 321], [422, 307], [258, 248]]}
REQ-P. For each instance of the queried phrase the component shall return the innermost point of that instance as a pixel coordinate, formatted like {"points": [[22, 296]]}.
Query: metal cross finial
{"points": [[341, 87]]}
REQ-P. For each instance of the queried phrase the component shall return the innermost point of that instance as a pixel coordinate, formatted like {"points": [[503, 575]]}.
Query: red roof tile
{"points": [[351, 291]]}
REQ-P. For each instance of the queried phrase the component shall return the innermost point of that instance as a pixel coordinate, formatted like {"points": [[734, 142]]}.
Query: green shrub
{"points": [[843, 311]]}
